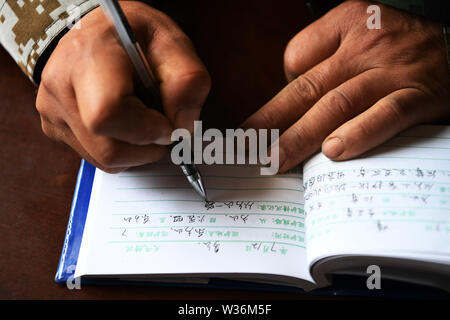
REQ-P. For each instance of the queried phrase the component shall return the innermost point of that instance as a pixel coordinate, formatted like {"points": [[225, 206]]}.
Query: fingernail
{"points": [[185, 118], [333, 147]]}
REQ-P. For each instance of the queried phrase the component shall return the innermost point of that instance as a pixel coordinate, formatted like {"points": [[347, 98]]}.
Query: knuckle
{"points": [[99, 114], [44, 103], [41, 106], [108, 155], [49, 77], [395, 110], [306, 89], [267, 118], [338, 103], [200, 80], [95, 123]]}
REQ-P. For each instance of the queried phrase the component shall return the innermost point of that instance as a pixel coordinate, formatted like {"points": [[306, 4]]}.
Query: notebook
{"points": [[389, 208]]}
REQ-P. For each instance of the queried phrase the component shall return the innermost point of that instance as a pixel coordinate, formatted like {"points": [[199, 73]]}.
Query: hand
{"points": [[353, 88], [87, 97]]}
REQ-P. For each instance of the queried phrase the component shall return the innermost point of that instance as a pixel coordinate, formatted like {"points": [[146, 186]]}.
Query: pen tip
{"points": [[203, 192], [198, 186]]}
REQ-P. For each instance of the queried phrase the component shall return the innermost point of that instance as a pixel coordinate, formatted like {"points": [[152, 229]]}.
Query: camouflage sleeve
{"points": [[27, 27]]}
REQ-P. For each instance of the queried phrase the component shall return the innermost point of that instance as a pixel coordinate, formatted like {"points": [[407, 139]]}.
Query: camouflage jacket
{"points": [[29, 27]]}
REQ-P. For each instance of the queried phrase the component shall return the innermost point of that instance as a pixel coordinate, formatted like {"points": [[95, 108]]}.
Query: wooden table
{"points": [[242, 46]]}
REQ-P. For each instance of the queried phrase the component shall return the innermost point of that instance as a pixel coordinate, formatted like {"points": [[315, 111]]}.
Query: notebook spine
{"points": [[61, 273]]}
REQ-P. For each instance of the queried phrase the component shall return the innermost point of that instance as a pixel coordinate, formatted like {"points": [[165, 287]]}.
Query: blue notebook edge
{"points": [[342, 285], [75, 225]]}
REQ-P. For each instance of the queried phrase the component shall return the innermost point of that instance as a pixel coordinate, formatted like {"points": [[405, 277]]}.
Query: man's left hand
{"points": [[352, 88]]}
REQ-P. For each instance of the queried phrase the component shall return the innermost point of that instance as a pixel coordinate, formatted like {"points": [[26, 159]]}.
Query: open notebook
{"points": [[389, 208]]}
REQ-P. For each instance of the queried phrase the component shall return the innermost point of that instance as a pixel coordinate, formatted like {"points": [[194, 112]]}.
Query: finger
{"points": [[337, 106], [107, 104], [302, 93], [309, 47], [64, 135], [183, 79], [389, 116], [105, 153], [113, 153]]}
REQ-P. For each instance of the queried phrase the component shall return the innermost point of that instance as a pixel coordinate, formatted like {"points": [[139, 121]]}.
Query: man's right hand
{"points": [[87, 96]]}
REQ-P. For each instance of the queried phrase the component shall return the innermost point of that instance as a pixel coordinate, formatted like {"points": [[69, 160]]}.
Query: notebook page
{"points": [[149, 220], [395, 201]]}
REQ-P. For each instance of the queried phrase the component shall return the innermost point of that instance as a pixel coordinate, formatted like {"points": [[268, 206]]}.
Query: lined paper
{"points": [[149, 220], [394, 201]]}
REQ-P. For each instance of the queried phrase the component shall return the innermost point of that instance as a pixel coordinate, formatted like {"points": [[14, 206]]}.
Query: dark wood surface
{"points": [[242, 46]]}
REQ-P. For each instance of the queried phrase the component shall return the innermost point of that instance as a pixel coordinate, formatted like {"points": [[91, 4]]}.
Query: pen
{"points": [[112, 9]]}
